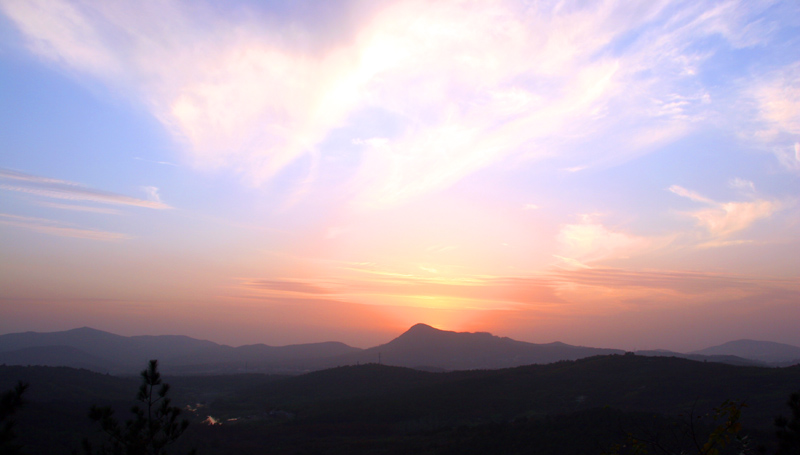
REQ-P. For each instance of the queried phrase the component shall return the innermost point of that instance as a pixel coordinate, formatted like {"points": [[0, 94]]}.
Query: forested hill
{"points": [[421, 346], [377, 408]]}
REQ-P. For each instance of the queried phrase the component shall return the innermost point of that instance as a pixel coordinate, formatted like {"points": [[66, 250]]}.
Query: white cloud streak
{"points": [[779, 101], [51, 227], [79, 208], [62, 189], [681, 191], [721, 220], [468, 84], [152, 193], [165, 163], [775, 99], [589, 241], [731, 217], [742, 184]]}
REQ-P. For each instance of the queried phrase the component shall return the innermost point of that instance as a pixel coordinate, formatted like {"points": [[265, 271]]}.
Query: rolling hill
{"points": [[763, 351], [103, 352], [425, 347], [375, 408], [421, 347]]}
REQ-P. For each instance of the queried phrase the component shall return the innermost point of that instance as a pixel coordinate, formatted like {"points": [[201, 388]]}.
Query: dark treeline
{"points": [[611, 404]]}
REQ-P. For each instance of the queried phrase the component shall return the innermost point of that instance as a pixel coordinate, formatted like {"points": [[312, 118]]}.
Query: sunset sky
{"points": [[605, 173]]}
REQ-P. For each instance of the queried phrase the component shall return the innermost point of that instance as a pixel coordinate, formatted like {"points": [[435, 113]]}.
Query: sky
{"points": [[608, 173]]}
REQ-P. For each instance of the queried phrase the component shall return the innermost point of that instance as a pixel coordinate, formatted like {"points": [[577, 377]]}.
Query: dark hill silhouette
{"points": [[729, 359], [423, 346], [353, 381], [260, 357], [56, 356], [668, 385], [104, 352], [115, 353], [322, 410], [65, 384], [84, 338], [763, 351]]}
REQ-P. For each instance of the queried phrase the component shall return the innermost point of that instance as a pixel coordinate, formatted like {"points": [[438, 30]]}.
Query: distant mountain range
{"points": [[719, 358], [106, 352], [421, 347], [424, 347], [763, 351]]}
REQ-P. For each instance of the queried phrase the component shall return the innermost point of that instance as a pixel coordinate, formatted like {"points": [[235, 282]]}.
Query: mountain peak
{"points": [[420, 327], [85, 330], [421, 335]]}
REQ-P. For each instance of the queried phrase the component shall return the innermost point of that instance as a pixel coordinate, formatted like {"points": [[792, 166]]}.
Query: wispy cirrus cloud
{"points": [[683, 192], [777, 100], [677, 291], [293, 286], [684, 282], [723, 219], [365, 284], [744, 185], [62, 189], [730, 217], [58, 228], [165, 163], [590, 241], [461, 86], [79, 208], [552, 289]]}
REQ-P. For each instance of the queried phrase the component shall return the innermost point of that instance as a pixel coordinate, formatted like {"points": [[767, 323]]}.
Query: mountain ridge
{"points": [[421, 346], [764, 351]]}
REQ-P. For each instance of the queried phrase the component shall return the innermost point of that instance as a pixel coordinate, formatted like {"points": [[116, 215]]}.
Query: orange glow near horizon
{"points": [[302, 173]]}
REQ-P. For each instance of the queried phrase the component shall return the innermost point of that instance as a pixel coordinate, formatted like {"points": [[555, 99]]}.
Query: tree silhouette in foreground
{"points": [[154, 426], [789, 429], [10, 402], [726, 431]]}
